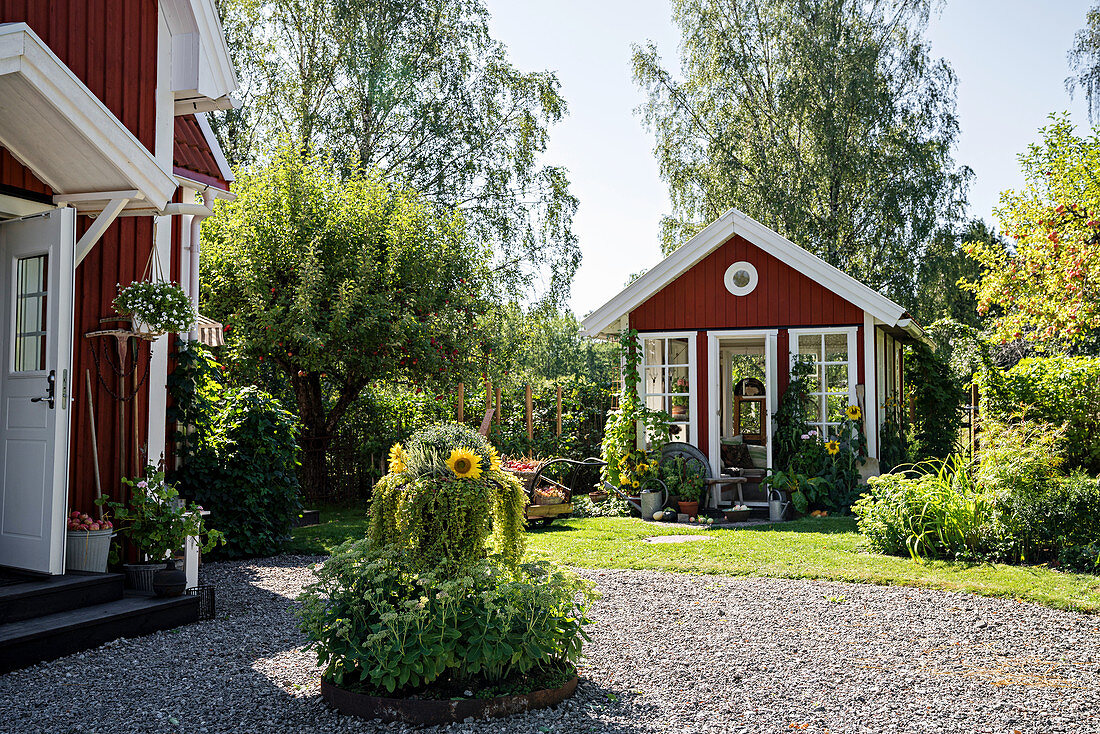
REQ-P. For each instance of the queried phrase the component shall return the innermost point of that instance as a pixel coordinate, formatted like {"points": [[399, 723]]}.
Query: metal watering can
{"points": [[777, 508]]}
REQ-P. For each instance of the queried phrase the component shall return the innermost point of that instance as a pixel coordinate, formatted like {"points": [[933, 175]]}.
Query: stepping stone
{"points": [[675, 538]]}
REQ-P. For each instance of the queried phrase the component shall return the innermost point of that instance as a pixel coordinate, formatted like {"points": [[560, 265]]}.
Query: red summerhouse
{"points": [[722, 319]]}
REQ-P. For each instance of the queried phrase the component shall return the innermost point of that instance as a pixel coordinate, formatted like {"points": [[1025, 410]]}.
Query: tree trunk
{"points": [[314, 438]]}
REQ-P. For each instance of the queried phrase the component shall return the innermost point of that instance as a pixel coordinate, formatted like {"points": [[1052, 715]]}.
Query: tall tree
{"points": [[824, 119], [1084, 63], [944, 270], [419, 91], [339, 282]]}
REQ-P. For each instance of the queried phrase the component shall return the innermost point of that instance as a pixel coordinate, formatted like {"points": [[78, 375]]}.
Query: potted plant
{"points": [[155, 308], [689, 481], [87, 543], [680, 402], [158, 523]]}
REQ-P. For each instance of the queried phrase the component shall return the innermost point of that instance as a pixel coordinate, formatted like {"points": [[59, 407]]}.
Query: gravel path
{"points": [[670, 653]]}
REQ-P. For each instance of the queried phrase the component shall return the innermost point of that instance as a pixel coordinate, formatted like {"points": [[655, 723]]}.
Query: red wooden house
{"points": [[104, 157], [722, 319]]}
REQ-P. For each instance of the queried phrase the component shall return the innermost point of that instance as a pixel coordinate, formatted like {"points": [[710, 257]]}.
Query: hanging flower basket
{"points": [[155, 308]]}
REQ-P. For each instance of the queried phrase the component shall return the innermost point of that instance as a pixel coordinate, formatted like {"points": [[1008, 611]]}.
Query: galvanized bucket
{"points": [[652, 500], [87, 550]]}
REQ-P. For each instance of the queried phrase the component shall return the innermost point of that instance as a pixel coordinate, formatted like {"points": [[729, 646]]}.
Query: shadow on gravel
{"points": [[597, 708]]}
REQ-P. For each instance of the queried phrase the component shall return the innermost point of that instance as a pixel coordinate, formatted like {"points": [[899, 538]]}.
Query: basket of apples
{"points": [[523, 469], [87, 542]]}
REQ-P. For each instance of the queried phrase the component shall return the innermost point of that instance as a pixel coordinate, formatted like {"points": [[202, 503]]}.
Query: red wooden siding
{"points": [[14, 175], [192, 157], [111, 46], [698, 299]]}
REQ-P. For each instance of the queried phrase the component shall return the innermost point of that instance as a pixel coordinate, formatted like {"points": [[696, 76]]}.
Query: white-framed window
{"points": [[669, 381], [833, 354], [741, 278]]}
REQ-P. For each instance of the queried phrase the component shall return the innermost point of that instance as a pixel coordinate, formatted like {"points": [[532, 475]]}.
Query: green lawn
{"points": [[829, 549]]}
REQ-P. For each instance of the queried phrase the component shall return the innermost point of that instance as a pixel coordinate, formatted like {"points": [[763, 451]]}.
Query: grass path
{"points": [[828, 549]]}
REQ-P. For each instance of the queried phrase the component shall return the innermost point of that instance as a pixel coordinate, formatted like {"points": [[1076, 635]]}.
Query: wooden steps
{"points": [[57, 616]]}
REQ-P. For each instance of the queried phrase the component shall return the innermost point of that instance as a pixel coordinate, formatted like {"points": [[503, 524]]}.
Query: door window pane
{"points": [[30, 314]]}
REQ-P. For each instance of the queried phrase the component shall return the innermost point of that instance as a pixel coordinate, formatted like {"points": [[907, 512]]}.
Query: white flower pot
{"points": [[144, 330]]}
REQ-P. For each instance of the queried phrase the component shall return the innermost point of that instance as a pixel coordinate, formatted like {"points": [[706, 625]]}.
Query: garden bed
{"points": [[457, 701]]}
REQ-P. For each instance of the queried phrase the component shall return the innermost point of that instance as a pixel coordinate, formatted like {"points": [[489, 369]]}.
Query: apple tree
{"points": [[1046, 289], [336, 282]]}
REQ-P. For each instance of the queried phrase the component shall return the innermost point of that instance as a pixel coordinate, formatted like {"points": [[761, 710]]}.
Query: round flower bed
{"points": [[435, 603]]}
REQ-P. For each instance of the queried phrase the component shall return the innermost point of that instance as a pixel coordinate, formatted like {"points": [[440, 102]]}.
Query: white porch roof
{"points": [[53, 124]]}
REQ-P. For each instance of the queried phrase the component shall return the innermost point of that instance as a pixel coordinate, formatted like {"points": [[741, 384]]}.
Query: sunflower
{"points": [[398, 459], [853, 412], [832, 447], [494, 459], [465, 463]]}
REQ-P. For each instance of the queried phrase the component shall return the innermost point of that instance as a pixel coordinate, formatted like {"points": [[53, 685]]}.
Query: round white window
{"points": [[741, 278]]}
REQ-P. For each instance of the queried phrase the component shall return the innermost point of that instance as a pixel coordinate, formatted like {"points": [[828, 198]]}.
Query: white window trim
{"points": [[746, 289], [693, 380], [853, 355]]}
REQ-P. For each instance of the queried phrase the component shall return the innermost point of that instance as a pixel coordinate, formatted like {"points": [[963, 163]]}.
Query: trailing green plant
{"points": [[619, 447], [893, 446], [243, 469], [444, 496], [790, 417], [382, 622], [806, 492], [937, 398], [1055, 390], [155, 520]]}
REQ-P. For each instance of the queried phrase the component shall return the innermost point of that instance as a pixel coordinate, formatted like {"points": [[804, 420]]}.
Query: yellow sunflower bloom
{"points": [[635, 483], [832, 447], [853, 413], [465, 463], [494, 459], [398, 459]]}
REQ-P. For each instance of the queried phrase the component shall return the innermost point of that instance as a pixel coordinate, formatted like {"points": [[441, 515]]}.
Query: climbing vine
{"points": [[626, 463]]}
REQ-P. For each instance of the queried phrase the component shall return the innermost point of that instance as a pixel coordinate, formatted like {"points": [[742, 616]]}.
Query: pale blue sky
{"points": [[1009, 57]]}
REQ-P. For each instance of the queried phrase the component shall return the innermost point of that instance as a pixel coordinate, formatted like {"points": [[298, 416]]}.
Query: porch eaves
{"points": [[55, 126], [734, 222]]}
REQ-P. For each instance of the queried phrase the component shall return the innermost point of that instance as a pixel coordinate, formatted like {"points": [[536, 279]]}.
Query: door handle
{"points": [[48, 397]]}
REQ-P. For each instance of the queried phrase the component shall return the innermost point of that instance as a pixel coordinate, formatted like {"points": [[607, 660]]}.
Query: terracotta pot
{"points": [[689, 508], [679, 412]]}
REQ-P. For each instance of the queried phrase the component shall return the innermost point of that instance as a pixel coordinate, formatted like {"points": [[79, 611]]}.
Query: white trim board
{"points": [[734, 222], [53, 124]]}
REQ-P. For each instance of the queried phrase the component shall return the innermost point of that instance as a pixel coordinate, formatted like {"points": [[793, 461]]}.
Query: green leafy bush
{"points": [[421, 601], [933, 511], [383, 623], [243, 469], [1054, 390], [1056, 520], [239, 453], [937, 397]]}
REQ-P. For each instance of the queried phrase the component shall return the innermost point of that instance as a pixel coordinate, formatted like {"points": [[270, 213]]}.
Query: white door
{"points": [[36, 284]]}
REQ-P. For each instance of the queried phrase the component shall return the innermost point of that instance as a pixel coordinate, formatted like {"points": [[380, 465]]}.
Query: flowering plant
{"points": [[163, 307], [81, 521], [156, 520]]}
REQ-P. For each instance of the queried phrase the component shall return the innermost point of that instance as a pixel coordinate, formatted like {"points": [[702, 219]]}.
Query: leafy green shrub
{"points": [[790, 418], [242, 469], [1054, 390], [583, 506], [932, 511], [382, 623], [421, 602], [1058, 518]]}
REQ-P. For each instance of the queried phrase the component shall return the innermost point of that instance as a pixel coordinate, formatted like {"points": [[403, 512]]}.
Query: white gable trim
{"points": [[734, 222], [215, 147]]}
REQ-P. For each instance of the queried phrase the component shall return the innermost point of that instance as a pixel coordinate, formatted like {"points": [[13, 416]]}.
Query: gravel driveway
{"points": [[670, 653]]}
